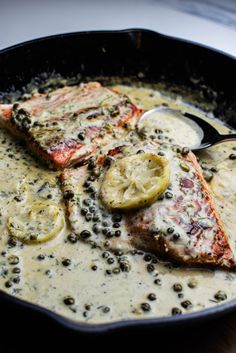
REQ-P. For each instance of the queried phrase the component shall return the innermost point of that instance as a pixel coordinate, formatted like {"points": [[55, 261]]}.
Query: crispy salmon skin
{"points": [[182, 225], [61, 127]]}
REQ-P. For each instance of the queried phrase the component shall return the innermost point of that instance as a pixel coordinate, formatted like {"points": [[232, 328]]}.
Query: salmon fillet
{"points": [[61, 127], [182, 225]]}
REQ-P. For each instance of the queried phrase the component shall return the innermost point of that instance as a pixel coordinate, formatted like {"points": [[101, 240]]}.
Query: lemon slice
{"points": [[40, 224], [135, 181]]}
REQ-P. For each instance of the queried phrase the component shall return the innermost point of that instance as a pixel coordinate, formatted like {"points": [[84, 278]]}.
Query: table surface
{"points": [[211, 22]]}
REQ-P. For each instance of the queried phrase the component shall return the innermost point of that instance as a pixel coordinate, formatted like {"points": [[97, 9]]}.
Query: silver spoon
{"points": [[208, 135]]}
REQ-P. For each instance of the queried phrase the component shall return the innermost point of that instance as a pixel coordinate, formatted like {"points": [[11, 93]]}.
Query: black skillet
{"points": [[146, 56]]}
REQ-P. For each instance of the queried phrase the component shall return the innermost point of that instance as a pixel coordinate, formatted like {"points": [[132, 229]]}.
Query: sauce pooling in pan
{"points": [[87, 284]]}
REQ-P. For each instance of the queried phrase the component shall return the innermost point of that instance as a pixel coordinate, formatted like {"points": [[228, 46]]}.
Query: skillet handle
{"points": [[225, 138]]}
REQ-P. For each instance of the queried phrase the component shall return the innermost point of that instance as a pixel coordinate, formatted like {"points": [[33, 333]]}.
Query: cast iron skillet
{"points": [[149, 57]]}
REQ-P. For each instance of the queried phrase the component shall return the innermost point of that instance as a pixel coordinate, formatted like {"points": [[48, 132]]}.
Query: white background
{"points": [[21, 20]]}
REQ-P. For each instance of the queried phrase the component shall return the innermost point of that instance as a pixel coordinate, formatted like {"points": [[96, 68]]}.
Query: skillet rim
{"points": [[110, 327]]}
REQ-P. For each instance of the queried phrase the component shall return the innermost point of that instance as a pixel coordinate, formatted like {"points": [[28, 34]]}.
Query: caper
{"points": [[108, 161], [90, 189], [185, 150], [214, 169], [13, 260], [168, 195], [116, 270], [91, 178], [147, 257], [157, 281], [41, 257], [15, 106], [88, 217], [18, 198], [107, 243], [68, 194], [66, 262], [96, 172], [16, 270], [12, 242], [91, 163], [170, 230], [72, 238], [161, 197], [105, 309], [152, 296], [105, 254], [116, 225], [220, 296], [105, 224], [192, 283], [86, 184], [184, 167], [117, 233], [176, 311], [69, 300], [186, 304], [96, 218], [208, 175], [87, 202], [124, 266], [85, 234], [93, 195], [176, 236], [8, 284], [116, 217], [94, 268], [105, 231], [109, 234], [92, 209], [232, 156], [81, 136], [150, 268], [96, 228], [177, 287], [119, 253], [145, 307], [110, 261], [16, 279], [26, 122]]}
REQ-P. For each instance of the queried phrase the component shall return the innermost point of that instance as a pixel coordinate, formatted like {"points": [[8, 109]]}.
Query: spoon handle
{"points": [[228, 137]]}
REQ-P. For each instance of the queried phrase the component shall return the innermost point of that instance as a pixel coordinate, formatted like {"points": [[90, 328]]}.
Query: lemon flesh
{"points": [[40, 224], [135, 181]]}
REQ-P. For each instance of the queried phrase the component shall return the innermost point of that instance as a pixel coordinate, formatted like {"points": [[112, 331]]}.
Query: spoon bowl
{"points": [[207, 135], [210, 135]]}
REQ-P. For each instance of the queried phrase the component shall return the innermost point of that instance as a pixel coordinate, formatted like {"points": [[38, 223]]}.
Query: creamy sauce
{"points": [[168, 122], [48, 273]]}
